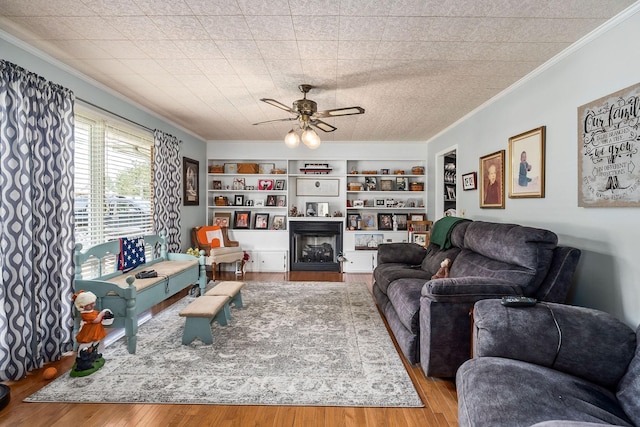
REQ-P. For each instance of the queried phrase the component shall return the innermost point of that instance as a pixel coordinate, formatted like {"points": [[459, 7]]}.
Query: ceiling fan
{"points": [[306, 111]]}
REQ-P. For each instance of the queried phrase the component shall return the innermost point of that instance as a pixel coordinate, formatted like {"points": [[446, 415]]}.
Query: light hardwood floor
{"points": [[438, 395]]}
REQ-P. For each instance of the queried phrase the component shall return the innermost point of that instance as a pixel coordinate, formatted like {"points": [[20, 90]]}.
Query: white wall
{"points": [[92, 92], [608, 276]]}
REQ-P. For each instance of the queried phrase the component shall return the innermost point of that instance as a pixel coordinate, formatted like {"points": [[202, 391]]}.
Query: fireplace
{"points": [[315, 245]]}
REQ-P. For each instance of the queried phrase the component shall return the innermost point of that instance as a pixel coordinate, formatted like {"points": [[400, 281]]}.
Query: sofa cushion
{"points": [[163, 268], [505, 392], [404, 294], [435, 256], [518, 254], [629, 388], [385, 274]]}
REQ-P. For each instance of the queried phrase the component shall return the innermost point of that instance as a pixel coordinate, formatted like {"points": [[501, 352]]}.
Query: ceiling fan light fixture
{"points": [[310, 138], [292, 139]]}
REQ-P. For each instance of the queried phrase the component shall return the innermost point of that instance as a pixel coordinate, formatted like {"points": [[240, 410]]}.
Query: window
{"points": [[113, 184]]}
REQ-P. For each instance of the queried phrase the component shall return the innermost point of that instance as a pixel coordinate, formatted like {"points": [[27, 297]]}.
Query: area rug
{"points": [[293, 343]]}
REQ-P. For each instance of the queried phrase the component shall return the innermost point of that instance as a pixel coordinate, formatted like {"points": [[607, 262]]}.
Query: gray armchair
{"points": [[552, 364]]}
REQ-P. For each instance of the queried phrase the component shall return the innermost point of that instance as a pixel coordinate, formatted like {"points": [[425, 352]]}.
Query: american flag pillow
{"points": [[131, 253]]}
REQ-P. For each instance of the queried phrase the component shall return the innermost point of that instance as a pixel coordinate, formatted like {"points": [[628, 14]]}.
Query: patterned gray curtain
{"points": [[167, 183], [36, 221]]}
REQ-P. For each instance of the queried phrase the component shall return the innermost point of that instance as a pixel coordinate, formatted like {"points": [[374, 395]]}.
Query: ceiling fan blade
{"points": [[277, 120], [278, 104], [322, 125], [349, 111]]}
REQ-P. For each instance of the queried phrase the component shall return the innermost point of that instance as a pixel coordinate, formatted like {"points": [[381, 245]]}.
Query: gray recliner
{"points": [[549, 365]]}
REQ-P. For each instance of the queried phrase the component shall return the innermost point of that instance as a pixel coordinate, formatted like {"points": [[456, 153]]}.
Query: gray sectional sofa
{"points": [[430, 318], [549, 365]]}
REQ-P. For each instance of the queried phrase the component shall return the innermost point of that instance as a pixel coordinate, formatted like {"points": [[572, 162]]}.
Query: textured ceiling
{"points": [[415, 66]]}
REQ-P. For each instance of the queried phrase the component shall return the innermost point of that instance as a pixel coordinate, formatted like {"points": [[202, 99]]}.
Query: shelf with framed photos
{"points": [[256, 198], [246, 185]]}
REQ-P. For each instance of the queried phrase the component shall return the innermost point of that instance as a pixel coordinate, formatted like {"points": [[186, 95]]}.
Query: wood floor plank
{"points": [[439, 395]]}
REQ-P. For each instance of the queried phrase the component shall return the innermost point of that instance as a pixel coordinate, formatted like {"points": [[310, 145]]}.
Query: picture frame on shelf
{"points": [[311, 209], [353, 221], [369, 221], [190, 182], [265, 184], [417, 217], [384, 171], [470, 181], [279, 184], [238, 184], [401, 221], [248, 203], [451, 192], [368, 242], [238, 200], [281, 201], [386, 184], [527, 161], [492, 180], [222, 219], [241, 219], [370, 183], [266, 168], [402, 184], [261, 221], [358, 203], [230, 168], [216, 185], [380, 203], [258, 202], [279, 222], [419, 238], [385, 221], [271, 200], [323, 209]]}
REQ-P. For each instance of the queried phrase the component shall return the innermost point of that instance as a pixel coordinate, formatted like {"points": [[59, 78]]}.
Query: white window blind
{"points": [[113, 181]]}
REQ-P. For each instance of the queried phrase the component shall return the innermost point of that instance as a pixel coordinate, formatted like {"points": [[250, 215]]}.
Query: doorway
{"points": [[446, 183]]}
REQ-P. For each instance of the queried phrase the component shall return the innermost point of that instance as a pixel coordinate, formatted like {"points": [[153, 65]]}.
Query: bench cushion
{"points": [[228, 288], [164, 269], [204, 306]]}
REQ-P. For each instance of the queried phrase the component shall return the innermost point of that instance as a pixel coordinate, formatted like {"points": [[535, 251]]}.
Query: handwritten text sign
{"points": [[609, 138]]}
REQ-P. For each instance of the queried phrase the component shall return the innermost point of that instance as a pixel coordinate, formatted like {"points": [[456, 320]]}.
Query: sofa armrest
{"points": [[587, 343], [405, 253], [468, 289]]}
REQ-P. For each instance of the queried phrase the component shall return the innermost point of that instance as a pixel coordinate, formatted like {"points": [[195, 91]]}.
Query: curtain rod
{"points": [[114, 114]]}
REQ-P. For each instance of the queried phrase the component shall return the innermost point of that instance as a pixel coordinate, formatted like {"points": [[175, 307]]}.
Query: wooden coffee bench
{"points": [[230, 289], [201, 313]]}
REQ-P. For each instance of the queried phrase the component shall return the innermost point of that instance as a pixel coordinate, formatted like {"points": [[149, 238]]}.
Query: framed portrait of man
{"points": [[492, 180]]}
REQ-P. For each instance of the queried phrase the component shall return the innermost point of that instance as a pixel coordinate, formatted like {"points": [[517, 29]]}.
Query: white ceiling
{"points": [[416, 66]]}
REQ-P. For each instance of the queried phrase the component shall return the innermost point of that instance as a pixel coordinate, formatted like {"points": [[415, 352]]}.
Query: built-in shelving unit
{"points": [[373, 200], [450, 177]]}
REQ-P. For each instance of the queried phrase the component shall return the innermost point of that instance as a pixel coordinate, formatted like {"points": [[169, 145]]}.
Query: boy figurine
{"points": [[89, 335]]}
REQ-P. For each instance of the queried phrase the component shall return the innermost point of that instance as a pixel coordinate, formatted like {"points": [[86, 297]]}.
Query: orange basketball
{"points": [[49, 373]]}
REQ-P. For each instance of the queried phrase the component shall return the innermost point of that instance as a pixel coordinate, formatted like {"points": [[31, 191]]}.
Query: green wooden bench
{"points": [[201, 313], [231, 289]]}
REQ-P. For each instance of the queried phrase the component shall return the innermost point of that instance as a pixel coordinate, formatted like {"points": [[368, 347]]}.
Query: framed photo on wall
{"points": [[190, 182], [470, 181], [492, 180], [526, 157]]}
